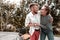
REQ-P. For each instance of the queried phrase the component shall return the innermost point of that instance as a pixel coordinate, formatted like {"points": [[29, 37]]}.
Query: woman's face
{"points": [[43, 11]]}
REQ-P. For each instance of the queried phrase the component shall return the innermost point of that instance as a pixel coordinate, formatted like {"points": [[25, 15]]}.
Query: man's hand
{"points": [[36, 24], [30, 24], [33, 24]]}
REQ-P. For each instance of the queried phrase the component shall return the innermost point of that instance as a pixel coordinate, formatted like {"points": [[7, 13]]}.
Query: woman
{"points": [[46, 21]]}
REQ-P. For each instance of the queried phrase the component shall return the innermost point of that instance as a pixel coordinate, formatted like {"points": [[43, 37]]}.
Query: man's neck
{"points": [[34, 13]]}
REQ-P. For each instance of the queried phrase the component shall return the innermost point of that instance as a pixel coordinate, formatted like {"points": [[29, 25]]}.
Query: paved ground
{"points": [[14, 36], [55, 38], [9, 36]]}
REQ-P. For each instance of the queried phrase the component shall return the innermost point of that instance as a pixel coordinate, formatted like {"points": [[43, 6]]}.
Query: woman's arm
{"points": [[50, 18]]}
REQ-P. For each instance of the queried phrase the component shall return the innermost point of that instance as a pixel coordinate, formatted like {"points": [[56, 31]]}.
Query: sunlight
{"points": [[17, 2]]}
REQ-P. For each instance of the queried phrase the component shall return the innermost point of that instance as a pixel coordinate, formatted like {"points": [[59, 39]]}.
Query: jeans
{"points": [[49, 35]]}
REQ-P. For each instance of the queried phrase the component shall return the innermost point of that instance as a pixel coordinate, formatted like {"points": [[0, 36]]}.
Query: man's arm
{"points": [[28, 22]]}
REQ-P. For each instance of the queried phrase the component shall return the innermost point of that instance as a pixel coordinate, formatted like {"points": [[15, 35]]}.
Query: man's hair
{"points": [[33, 4]]}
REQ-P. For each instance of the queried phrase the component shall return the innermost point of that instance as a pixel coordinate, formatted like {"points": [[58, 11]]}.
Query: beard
{"points": [[35, 12]]}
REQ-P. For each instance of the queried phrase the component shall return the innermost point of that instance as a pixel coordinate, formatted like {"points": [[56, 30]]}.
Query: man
{"points": [[33, 21]]}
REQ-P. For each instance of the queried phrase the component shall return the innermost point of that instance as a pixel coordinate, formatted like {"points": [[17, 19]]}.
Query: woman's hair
{"points": [[47, 9]]}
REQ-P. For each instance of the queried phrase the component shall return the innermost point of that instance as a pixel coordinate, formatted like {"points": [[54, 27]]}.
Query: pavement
{"points": [[9, 36], [15, 36], [55, 38]]}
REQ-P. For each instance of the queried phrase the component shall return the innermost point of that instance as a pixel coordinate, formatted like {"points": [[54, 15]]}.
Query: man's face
{"points": [[35, 8]]}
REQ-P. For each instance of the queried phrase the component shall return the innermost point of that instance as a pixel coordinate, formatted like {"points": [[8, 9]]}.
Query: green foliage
{"points": [[18, 18]]}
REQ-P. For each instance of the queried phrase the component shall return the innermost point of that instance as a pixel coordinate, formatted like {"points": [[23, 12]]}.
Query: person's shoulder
{"points": [[48, 15], [29, 14], [39, 12]]}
